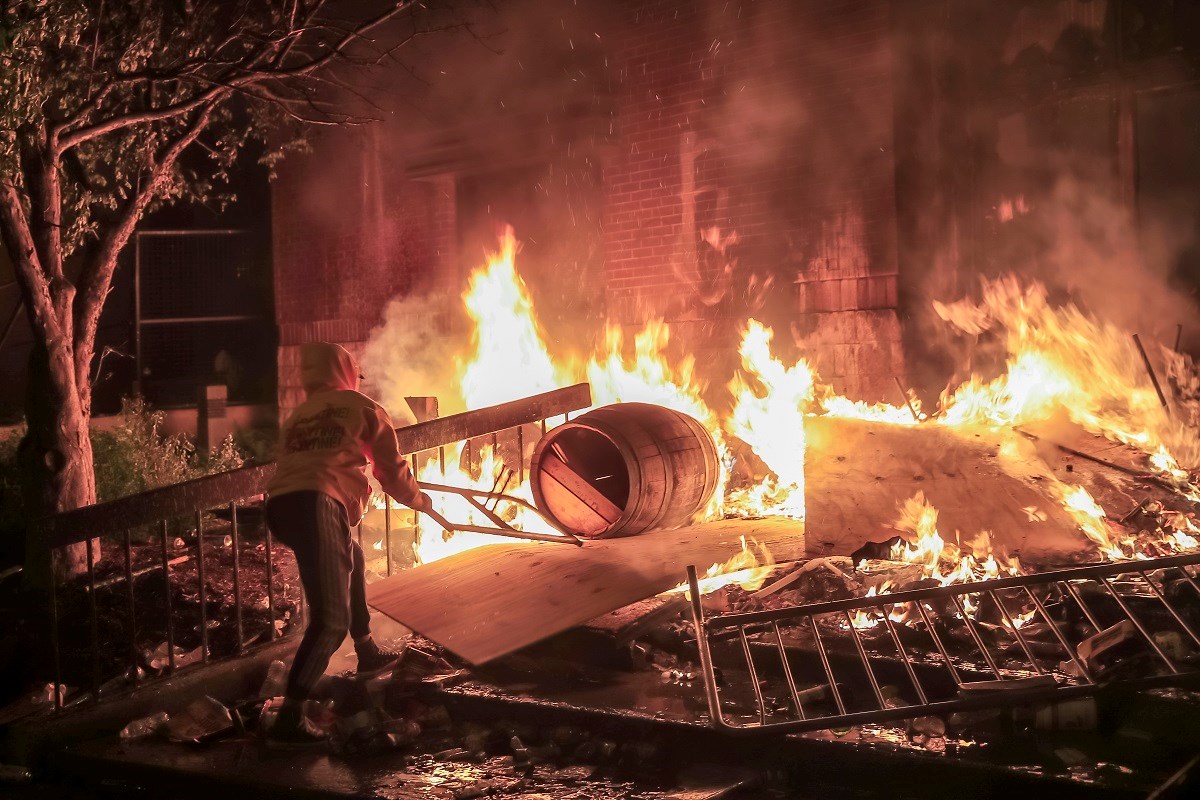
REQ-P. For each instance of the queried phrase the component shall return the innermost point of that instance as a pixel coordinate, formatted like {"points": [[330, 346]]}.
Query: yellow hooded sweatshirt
{"points": [[327, 442]]}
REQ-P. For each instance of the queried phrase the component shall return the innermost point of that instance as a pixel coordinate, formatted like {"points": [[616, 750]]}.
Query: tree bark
{"points": [[56, 455]]}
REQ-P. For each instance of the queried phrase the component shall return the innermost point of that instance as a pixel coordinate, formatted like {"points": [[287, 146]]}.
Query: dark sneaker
{"points": [[374, 660], [287, 734]]}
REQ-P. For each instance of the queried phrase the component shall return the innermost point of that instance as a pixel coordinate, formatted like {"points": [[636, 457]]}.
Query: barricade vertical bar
{"points": [[442, 460], [202, 594], [1016, 632], [235, 540], [1163, 599], [520, 454], [937, 640], [712, 693], [912, 675], [837, 696], [270, 567], [1087, 612], [1062, 640], [133, 648], [970, 623], [55, 654], [1187, 576], [95, 618], [787, 671], [387, 532], [866, 662], [166, 567], [1137, 623], [758, 695]]}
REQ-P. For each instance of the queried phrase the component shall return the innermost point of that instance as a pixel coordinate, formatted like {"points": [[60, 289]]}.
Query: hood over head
{"points": [[324, 366]]}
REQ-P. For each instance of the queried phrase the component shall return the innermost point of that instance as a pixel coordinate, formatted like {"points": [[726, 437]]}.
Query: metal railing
{"points": [[930, 652], [161, 535]]}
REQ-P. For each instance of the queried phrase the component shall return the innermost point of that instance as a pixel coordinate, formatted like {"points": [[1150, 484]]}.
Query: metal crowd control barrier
{"points": [[765, 662], [145, 521], [498, 527]]}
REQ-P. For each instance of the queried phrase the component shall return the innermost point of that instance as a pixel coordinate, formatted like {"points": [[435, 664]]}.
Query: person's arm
{"points": [[388, 465]]}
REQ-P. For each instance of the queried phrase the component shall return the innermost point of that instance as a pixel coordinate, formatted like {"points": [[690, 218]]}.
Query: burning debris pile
{"points": [[1064, 375]]}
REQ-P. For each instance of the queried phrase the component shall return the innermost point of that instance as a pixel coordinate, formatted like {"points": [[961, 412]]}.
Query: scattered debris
{"points": [[144, 727]]}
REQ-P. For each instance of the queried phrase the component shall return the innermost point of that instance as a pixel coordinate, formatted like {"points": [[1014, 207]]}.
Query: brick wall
{"points": [[349, 234], [772, 119]]}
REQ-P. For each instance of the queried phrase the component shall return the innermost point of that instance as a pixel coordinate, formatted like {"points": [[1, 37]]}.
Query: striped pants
{"points": [[315, 527]]}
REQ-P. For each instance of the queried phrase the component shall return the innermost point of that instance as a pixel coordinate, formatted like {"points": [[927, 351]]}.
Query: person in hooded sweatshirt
{"points": [[318, 492]]}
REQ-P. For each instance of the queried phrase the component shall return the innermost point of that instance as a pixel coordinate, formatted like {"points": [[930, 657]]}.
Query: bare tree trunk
{"points": [[56, 455]]}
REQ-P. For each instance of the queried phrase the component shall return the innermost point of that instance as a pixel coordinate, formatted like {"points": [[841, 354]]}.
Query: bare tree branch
{"points": [[253, 69]]}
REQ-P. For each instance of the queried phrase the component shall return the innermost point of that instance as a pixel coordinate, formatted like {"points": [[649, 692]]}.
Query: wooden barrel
{"points": [[623, 469]]}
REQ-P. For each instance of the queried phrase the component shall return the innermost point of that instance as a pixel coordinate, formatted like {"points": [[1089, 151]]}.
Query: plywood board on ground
{"points": [[857, 473], [487, 602]]}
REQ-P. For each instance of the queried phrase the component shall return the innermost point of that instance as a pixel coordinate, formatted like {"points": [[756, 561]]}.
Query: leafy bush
{"points": [[132, 457], [136, 455]]}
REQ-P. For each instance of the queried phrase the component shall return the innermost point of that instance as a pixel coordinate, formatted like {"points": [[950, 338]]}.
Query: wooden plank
{"points": [[494, 600], [557, 469], [483, 421], [571, 513], [857, 473]]}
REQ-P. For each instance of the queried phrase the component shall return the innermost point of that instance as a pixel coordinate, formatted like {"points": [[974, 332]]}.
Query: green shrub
{"points": [[136, 456], [132, 457]]}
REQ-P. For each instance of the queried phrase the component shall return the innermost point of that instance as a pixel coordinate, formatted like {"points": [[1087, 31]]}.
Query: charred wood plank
{"points": [[586, 509], [858, 473]]}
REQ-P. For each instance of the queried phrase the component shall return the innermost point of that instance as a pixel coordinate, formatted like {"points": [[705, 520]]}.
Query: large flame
{"points": [[509, 359], [1058, 359], [771, 422]]}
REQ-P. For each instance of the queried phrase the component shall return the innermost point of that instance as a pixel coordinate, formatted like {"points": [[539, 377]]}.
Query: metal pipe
{"points": [[837, 696], [970, 623], [94, 618], [1071, 654], [862, 654], [787, 670], [237, 577], [202, 596], [937, 641], [912, 674], [758, 695], [1137, 623], [1150, 370], [712, 693], [129, 597], [1017, 633], [1087, 612], [162, 531]]}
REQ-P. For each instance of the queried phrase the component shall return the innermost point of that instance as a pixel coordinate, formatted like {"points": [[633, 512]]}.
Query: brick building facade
{"points": [[826, 167], [770, 120]]}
